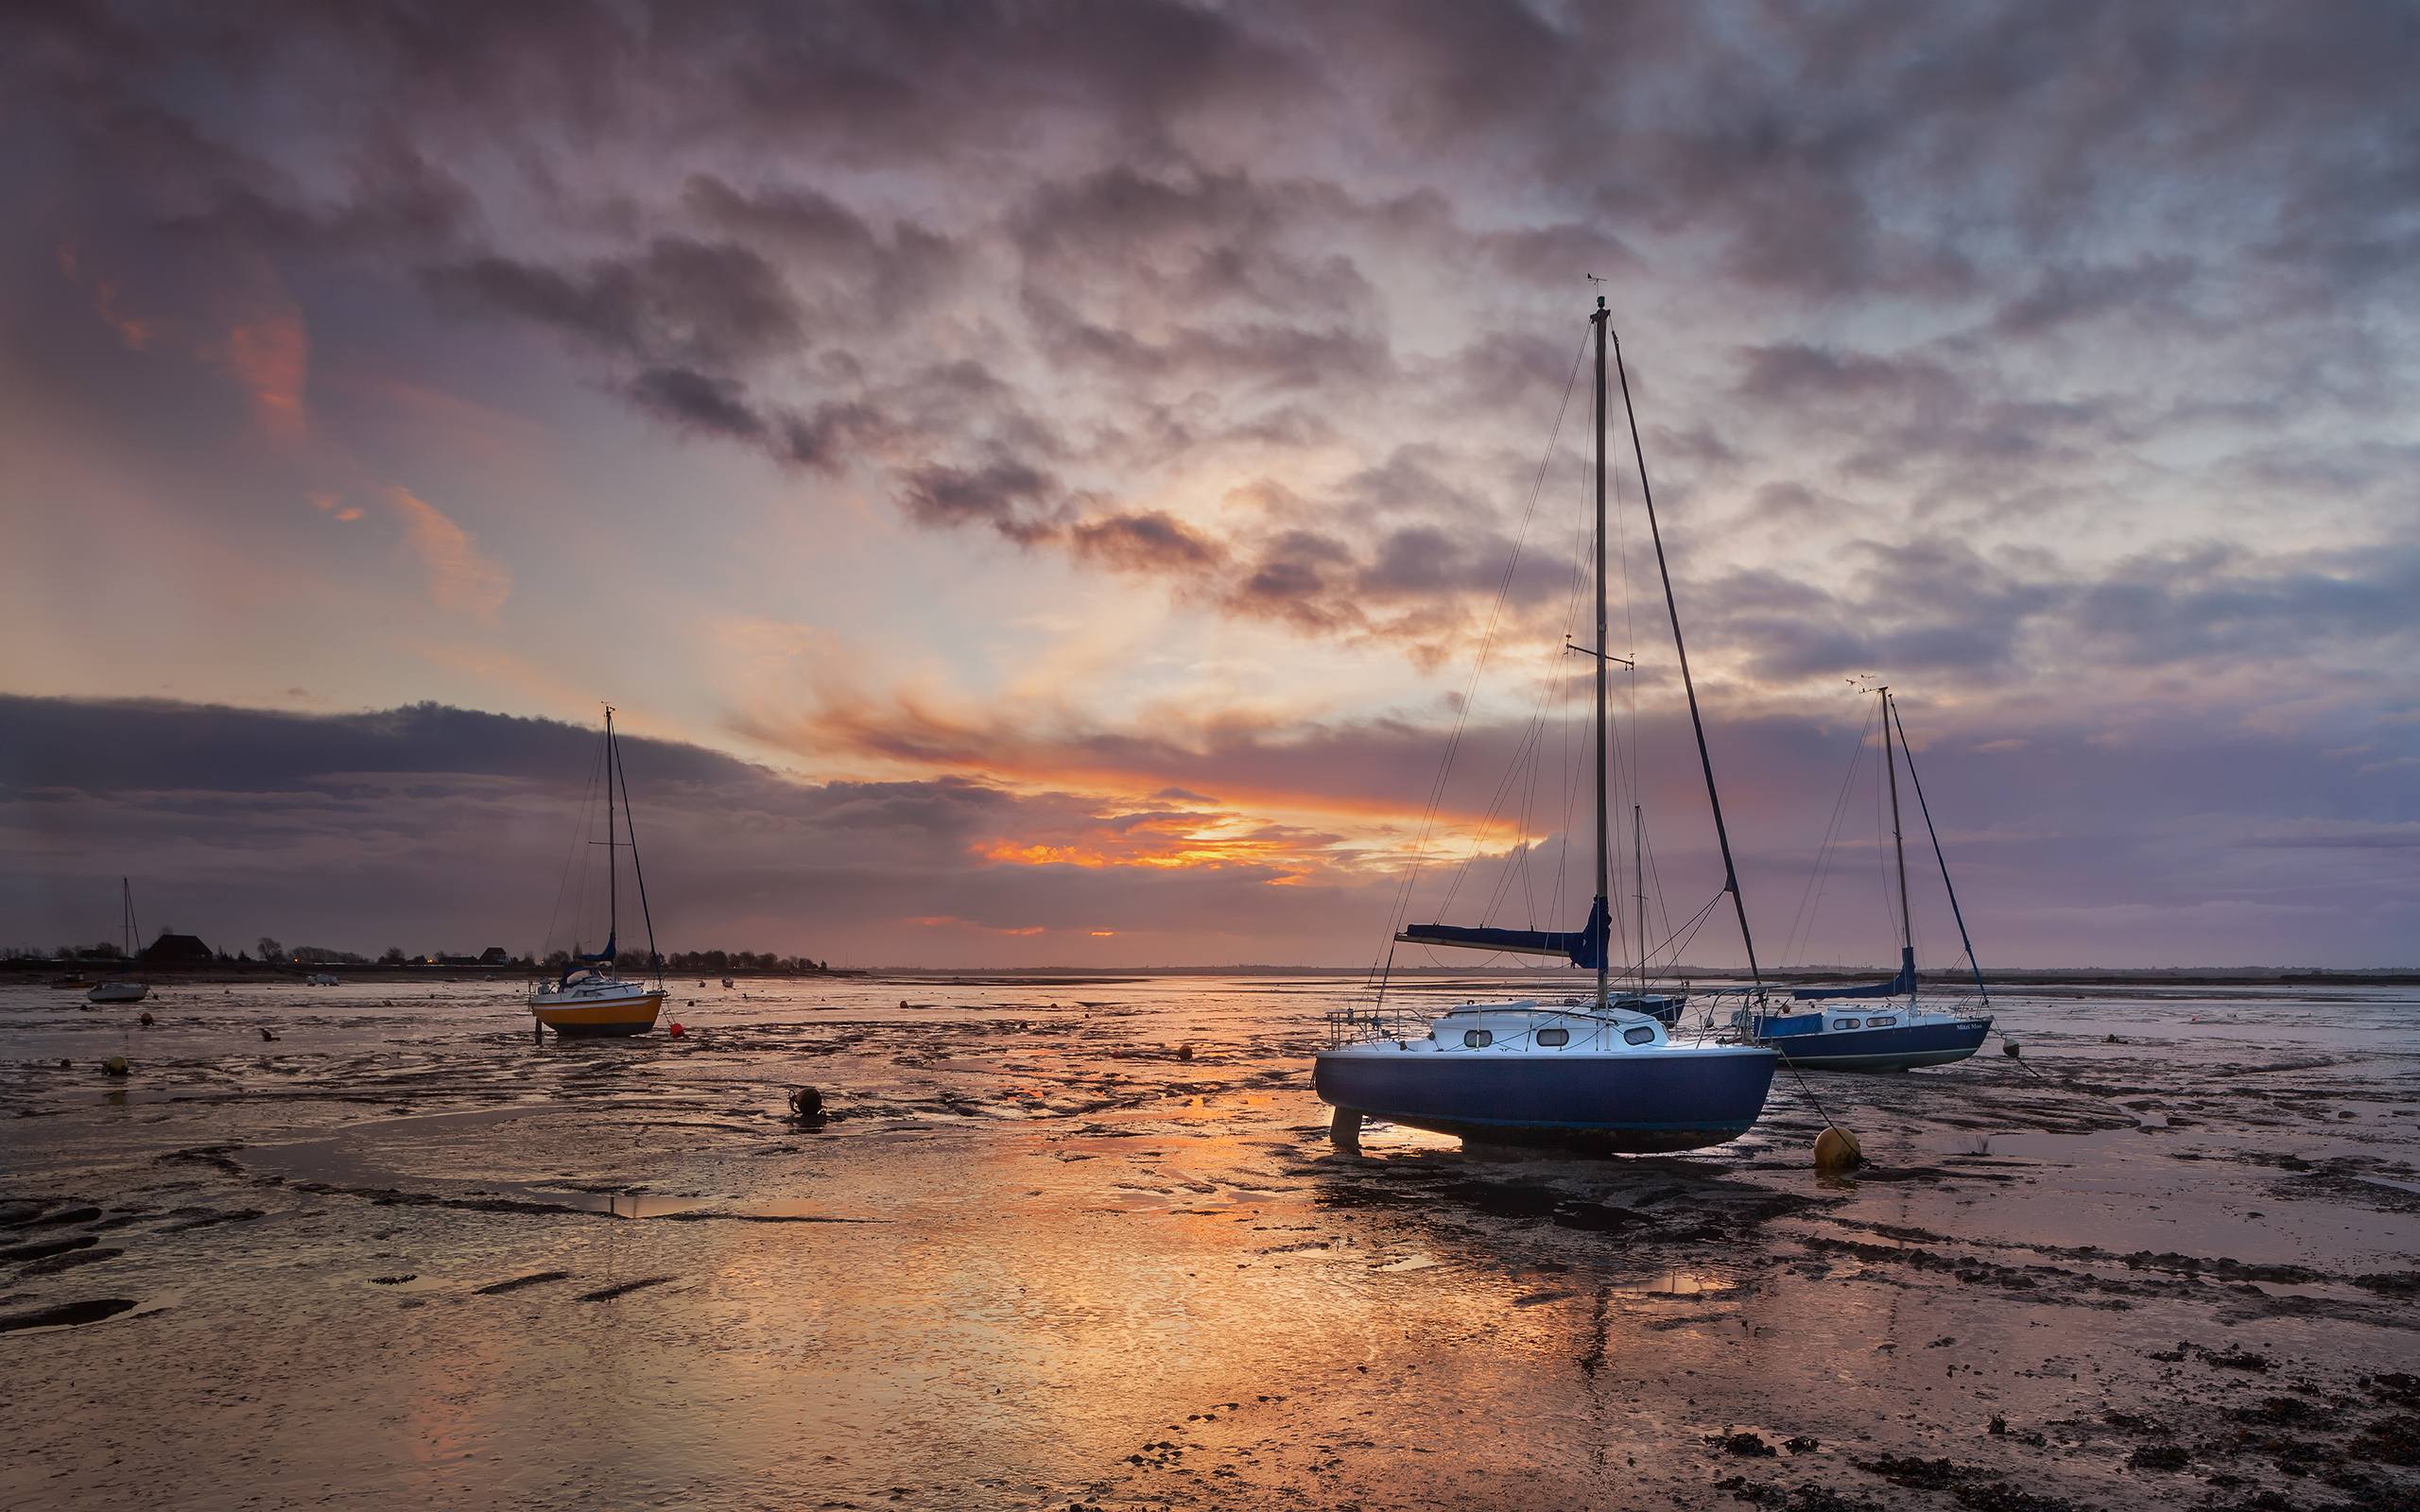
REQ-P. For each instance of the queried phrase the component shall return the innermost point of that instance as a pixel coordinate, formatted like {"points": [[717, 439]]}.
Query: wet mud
{"points": [[1039, 1250]]}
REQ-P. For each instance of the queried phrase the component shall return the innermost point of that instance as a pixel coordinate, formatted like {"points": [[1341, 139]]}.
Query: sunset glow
{"points": [[1061, 520]]}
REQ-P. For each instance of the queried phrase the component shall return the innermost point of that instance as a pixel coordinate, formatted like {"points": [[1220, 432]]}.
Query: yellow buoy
{"points": [[115, 1066], [1836, 1150]]}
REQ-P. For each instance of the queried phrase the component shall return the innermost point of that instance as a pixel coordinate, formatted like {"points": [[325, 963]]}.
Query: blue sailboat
{"points": [[1602, 1077], [1861, 1027]]}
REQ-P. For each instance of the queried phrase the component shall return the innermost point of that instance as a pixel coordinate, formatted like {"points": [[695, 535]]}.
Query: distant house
{"points": [[175, 949], [494, 955]]}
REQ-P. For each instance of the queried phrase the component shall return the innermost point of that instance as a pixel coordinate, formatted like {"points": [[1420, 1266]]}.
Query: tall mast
{"points": [[1714, 798], [613, 879], [631, 828], [1926, 809], [1907, 930], [1601, 321], [126, 923]]}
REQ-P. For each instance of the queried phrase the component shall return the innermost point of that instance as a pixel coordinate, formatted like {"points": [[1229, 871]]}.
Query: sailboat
{"points": [[589, 999], [122, 992], [1864, 1034], [1605, 1076]]}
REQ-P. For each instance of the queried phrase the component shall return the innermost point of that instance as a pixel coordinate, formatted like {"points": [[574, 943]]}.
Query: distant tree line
{"points": [[274, 952], [710, 961]]}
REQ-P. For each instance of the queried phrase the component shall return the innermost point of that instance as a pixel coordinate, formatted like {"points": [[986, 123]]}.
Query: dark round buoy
{"points": [[675, 1030], [115, 1066], [146, 1021], [806, 1104], [1184, 1052], [2008, 1048]]}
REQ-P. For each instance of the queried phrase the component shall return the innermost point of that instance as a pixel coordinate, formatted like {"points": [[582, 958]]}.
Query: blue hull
{"points": [[1620, 1105], [1894, 1049]]}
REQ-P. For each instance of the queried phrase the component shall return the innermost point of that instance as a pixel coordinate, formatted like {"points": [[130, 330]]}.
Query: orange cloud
{"points": [[460, 579], [135, 334], [952, 921], [271, 358], [332, 503]]}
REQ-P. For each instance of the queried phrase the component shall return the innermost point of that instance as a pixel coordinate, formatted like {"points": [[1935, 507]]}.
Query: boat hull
{"points": [[1901, 1048], [118, 992], [1611, 1105], [635, 1014]]}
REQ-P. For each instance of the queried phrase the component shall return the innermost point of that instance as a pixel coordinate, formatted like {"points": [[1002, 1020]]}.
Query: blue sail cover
{"points": [[1581, 947], [1903, 985], [605, 955]]}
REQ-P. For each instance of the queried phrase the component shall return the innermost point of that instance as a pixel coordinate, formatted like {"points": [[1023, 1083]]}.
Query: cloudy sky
{"points": [[1037, 479]]}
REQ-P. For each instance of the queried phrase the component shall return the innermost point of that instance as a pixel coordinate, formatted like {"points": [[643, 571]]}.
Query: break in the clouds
{"points": [[1069, 402]]}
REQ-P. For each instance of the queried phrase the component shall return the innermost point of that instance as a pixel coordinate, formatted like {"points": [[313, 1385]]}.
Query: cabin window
{"points": [[1843, 1023], [1884, 1023], [1637, 1036], [1477, 1038], [1554, 1038]]}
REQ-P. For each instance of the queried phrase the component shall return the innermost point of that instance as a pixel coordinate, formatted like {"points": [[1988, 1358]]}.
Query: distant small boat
{"points": [[589, 1000], [123, 991], [1877, 1036], [726, 981], [321, 979]]}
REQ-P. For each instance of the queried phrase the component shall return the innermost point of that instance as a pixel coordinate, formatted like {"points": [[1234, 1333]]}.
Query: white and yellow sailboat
{"points": [[590, 999]]}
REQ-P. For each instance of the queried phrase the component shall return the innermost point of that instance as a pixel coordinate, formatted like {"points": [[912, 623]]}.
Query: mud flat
{"points": [[1084, 1244]]}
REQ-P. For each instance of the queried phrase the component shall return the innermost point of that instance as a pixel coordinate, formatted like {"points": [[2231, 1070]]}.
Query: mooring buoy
{"points": [[1836, 1150]]}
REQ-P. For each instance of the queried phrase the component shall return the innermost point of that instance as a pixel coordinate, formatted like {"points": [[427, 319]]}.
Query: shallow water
{"points": [[1037, 1257]]}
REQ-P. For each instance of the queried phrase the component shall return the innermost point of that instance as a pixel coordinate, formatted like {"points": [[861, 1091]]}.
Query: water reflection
{"points": [[1038, 1256]]}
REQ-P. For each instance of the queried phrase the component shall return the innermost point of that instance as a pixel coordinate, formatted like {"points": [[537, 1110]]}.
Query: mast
{"points": [[630, 827], [1907, 930], [126, 923], [1601, 321], [612, 881], [1714, 798], [1926, 809]]}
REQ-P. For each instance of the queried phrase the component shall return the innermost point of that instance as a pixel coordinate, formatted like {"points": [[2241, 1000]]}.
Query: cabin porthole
{"points": [[1880, 1023], [1477, 1038], [1638, 1035], [1843, 1023], [1554, 1038]]}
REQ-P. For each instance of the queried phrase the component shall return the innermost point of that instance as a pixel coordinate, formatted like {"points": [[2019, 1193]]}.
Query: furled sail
{"points": [[1903, 985], [1583, 948]]}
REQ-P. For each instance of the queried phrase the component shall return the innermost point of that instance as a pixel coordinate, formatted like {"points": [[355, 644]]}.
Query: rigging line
{"points": [[1568, 771], [1656, 874], [1487, 641], [1530, 734], [1688, 684], [1630, 769], [1812, 898], [574, 852], [1675, 943], [1922, 808], [630, 826]]}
